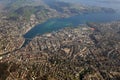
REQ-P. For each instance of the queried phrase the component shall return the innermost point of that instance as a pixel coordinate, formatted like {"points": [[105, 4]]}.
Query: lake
{"points": [[58, 23]]}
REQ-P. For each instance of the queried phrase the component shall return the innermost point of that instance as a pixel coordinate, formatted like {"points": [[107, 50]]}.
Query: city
{"points": [[89, 51]]}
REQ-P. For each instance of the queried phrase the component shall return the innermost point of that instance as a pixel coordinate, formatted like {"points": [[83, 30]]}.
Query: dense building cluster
{"points": [[81, 53]]}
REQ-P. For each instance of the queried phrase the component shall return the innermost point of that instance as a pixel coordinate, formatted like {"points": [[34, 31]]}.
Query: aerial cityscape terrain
{"points": [[59, 40]]}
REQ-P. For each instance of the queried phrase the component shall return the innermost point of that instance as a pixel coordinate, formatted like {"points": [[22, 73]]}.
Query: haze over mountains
{"points": [[88, 2], [103, 3]]}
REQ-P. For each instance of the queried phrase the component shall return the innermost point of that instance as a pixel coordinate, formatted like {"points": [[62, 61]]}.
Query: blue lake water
{"points": [[58, 23]]}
